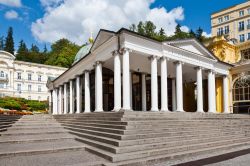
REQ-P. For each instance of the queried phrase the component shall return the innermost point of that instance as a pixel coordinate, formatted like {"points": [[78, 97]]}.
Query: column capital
{"points": [[164, 58], [198, 68], [124, 49], [178, 62], [225, 76], [115, 52], [153, 57], [98, 63]]}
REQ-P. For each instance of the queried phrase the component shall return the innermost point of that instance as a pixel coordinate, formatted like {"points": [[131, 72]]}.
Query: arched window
{"points": [[241, 89], [1, 74]]}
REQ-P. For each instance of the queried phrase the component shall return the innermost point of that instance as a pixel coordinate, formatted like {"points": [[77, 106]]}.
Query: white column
{"points": [[117, 81], [98, 86], [225, 95], [60, 100], [71, 107], [54, 93], [179, 87], [144, 99], [126, 80], [164, 85], [199, 90], [211, 92], [87, 91], [65, 110], [154, 84], [131, 90], [78, 95], [173, 95]]}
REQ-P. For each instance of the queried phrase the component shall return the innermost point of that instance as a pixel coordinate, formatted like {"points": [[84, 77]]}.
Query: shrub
{"points": [[36, 105], [10, 104]]}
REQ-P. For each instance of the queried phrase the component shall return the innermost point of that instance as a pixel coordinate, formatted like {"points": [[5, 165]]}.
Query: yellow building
{"points": [[231, 43]]}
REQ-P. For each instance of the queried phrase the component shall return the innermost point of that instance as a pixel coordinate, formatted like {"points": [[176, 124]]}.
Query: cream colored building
{"points": [[24, 79], [233, 22]]}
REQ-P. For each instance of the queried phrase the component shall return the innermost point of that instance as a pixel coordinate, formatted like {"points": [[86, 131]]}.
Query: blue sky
{"points": [[53, 26]]}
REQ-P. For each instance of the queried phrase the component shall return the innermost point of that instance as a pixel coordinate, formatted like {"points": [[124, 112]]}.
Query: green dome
{"points": [[82, 52]]}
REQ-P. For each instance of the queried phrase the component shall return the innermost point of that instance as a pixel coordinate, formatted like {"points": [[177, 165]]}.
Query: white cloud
{"points": [[75, 19], [11, 14], [206, 34], [12, 3]]}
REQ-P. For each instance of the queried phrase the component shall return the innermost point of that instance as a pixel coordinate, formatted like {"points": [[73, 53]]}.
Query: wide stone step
{"points": [[177, 157], [38, 124], [34, 138], [155, 145], [140, 133], [62, 158], [177, 149], [5, 126], [150, 126], [14, 149], [21, 128], [34, 132]]}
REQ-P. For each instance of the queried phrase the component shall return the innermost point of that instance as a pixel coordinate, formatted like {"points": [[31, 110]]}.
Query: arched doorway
{"points": [[241, 94]]}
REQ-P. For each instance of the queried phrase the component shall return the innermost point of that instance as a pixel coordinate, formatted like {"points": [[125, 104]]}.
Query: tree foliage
{"points": [[9, 42], [1, 43], [62, 53], [150, 30]]}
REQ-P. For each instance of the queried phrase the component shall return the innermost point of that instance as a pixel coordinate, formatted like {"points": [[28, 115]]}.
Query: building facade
{"points": [[233, 21], [24, 79], [126, 71]]}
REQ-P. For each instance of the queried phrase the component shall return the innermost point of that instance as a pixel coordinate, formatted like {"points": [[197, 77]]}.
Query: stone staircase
{"points": [[41, 140], [130, 138], [7, 120]]}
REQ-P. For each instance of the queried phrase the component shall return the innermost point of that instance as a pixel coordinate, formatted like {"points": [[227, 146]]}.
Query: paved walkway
{"points": [[238, 161]]}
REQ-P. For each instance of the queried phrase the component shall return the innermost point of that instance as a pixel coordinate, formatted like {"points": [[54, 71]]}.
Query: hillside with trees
{"points": [[149, 29]]}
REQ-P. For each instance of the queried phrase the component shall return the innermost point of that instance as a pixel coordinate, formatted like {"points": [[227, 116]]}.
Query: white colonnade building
{"points": [[126, 71]]}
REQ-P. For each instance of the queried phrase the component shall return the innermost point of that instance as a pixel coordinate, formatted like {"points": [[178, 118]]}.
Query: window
{"points": [[241, 26], [19, 88], [248, 24], [19, 76], [39, 88], [39, 78], [242, 38], [2, 74], [248, 36], [220, 32], [226, 18], [241, 13], [2, 85], [220, 20], [227, 29], [29, 88], [29, 76], [245, 54]]}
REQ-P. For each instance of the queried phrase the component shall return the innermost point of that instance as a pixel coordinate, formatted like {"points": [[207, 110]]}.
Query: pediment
{"points": [[193, 46], [6, 55]]}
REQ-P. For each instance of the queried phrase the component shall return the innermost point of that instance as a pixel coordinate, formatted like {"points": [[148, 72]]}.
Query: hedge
{"points": [[22, 104]]}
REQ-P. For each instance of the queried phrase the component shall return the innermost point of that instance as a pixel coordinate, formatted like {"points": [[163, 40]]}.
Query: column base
{"points": [[86, 111], [99, 110], [165, 110], [200, 111], [123, 110], [154, 110], [179, 111], [209, 111]]}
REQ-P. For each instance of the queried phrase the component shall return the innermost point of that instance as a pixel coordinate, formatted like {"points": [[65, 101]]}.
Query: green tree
{"points": [[150, 29], [45, 50], [62, 53], [2, 43], [140, 28], [9, 42], [133, 27], [34, 49], [178, 29], [22, 51], [192, 34], [199, 33], [161, 36]]}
